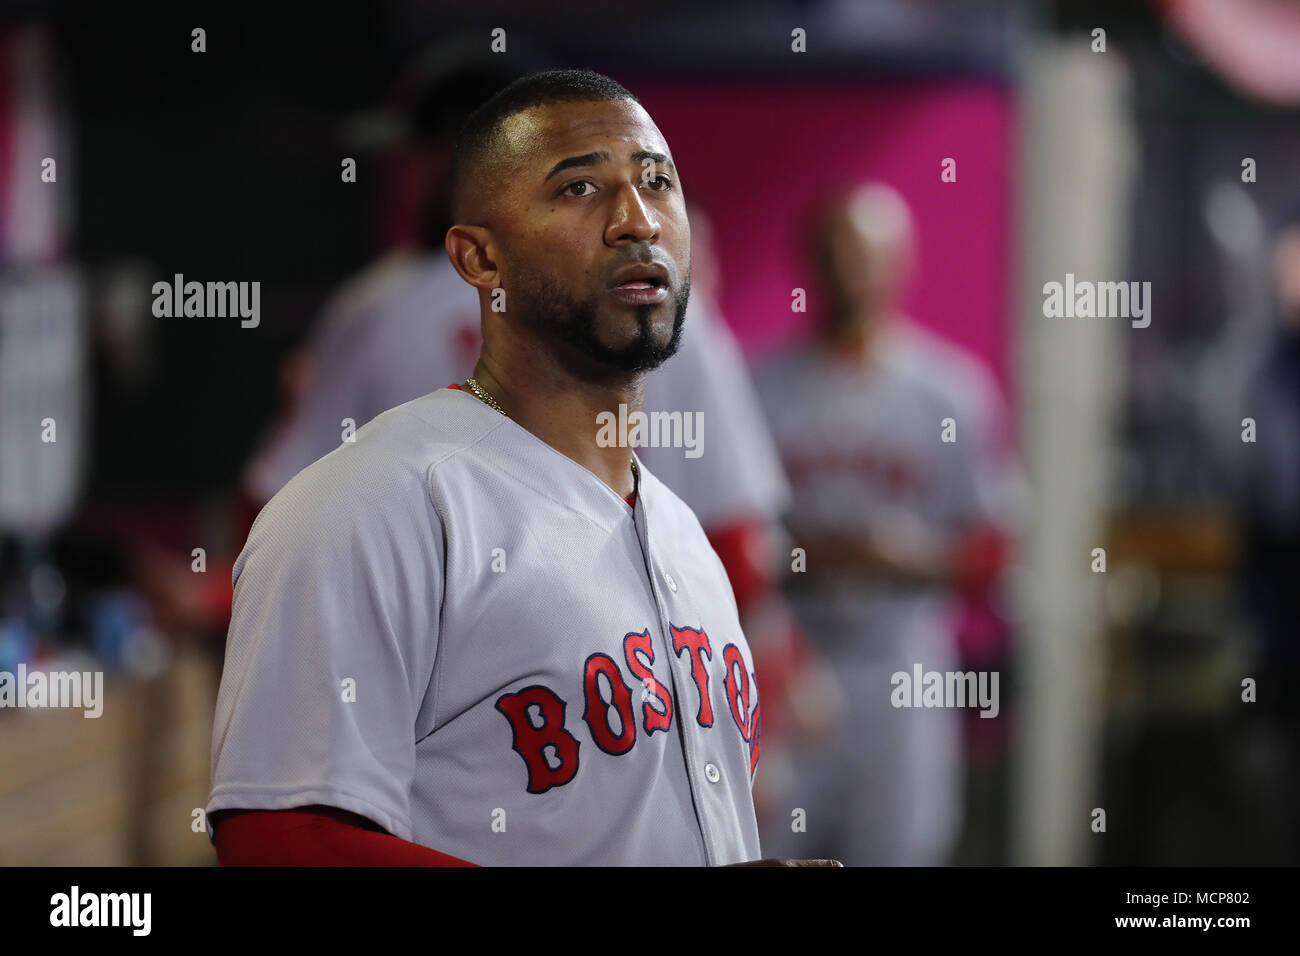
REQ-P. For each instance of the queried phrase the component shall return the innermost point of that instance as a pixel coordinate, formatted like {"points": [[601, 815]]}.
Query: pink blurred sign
{"points": [[756, 154]]}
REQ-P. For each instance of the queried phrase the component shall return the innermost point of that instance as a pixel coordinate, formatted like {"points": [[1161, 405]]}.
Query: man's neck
{"points": [[855, 341], [561, 408]]}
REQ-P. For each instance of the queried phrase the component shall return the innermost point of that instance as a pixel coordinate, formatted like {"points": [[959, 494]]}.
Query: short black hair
{"points": [[479, 132]]}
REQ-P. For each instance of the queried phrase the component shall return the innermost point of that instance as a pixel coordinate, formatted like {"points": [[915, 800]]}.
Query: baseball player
{"points": [[408, 324], [477, 633], [892, 520]]}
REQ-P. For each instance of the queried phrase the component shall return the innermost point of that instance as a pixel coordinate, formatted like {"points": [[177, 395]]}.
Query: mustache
{"points": [[644, 255]]}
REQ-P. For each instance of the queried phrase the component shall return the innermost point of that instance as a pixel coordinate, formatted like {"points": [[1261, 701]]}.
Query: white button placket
{"points": [[681, 681]]}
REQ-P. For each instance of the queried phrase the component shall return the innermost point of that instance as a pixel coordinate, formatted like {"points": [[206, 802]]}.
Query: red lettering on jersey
{"points": [[654, 719], [697, 642], [892, 475], [737, 696], [597, 713], [756, 730], [531, 742]]}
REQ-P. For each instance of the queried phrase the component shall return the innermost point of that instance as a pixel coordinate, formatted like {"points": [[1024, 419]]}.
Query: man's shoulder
{"points": [[391, 274], [777, 371], [384, 292], [949, 368], [386, 464], [359, 293]]}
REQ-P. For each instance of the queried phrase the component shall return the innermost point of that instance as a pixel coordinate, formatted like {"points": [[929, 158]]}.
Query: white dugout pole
{"points": [[1076, 165]]}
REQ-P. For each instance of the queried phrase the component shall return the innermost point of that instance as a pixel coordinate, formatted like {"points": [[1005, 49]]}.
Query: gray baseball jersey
{"points": [[862, 443], [410, 324], [454, 630]]}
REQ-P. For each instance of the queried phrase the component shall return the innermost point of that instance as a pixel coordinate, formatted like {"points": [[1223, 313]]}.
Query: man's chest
{"points": [[583, 654], [875, 444]]}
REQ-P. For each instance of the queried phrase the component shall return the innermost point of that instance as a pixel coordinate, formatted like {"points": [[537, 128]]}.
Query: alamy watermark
{"points": [[923, 688], [75, 908], [41, 689], [208, 300], [1085, 299], [651, 430]]}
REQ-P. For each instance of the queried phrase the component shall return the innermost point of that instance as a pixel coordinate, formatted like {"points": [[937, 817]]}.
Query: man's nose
{"points": [[632, 221]]}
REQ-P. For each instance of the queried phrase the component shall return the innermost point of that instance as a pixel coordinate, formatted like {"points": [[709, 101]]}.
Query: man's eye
{"points": [[666, 182], [581, 182]]}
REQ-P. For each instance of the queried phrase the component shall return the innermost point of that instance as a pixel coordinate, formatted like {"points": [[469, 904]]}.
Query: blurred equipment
{"points": [[42, 387], [43, 346]]}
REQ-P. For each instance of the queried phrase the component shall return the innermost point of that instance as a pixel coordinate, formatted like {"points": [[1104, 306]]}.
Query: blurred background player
{"points": [[405, 325], [895, 524]]}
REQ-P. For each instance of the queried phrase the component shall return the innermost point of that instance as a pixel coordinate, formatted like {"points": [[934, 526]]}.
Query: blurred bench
{"points": [[118, 790]]}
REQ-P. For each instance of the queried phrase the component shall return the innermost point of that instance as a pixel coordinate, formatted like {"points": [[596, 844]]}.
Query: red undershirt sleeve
{"points": [[315, 836], [744, 549]]}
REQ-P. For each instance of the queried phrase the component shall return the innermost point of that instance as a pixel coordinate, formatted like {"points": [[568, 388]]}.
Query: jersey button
{"points": [[712, 773], [672, 585]]}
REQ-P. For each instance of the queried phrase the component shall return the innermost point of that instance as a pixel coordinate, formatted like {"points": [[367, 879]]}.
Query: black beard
{"points": [[573, 321]]}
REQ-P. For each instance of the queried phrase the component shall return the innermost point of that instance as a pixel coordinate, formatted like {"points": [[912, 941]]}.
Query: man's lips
{"points": [[639, 292], [640, 283]]}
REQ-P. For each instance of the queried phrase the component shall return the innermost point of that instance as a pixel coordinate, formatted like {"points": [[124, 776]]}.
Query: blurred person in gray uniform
{"points": [[405, 325], [895, 523]]}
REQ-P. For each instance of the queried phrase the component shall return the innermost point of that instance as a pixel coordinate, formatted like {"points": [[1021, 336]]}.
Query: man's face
{"points": [[868, 265], [592, 224]]}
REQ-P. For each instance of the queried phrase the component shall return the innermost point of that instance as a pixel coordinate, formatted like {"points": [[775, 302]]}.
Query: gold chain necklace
{"points": [[482, 395]]}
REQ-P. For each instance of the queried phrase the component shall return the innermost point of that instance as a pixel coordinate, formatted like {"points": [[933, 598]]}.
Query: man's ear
{"points": [[471, 255]]}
